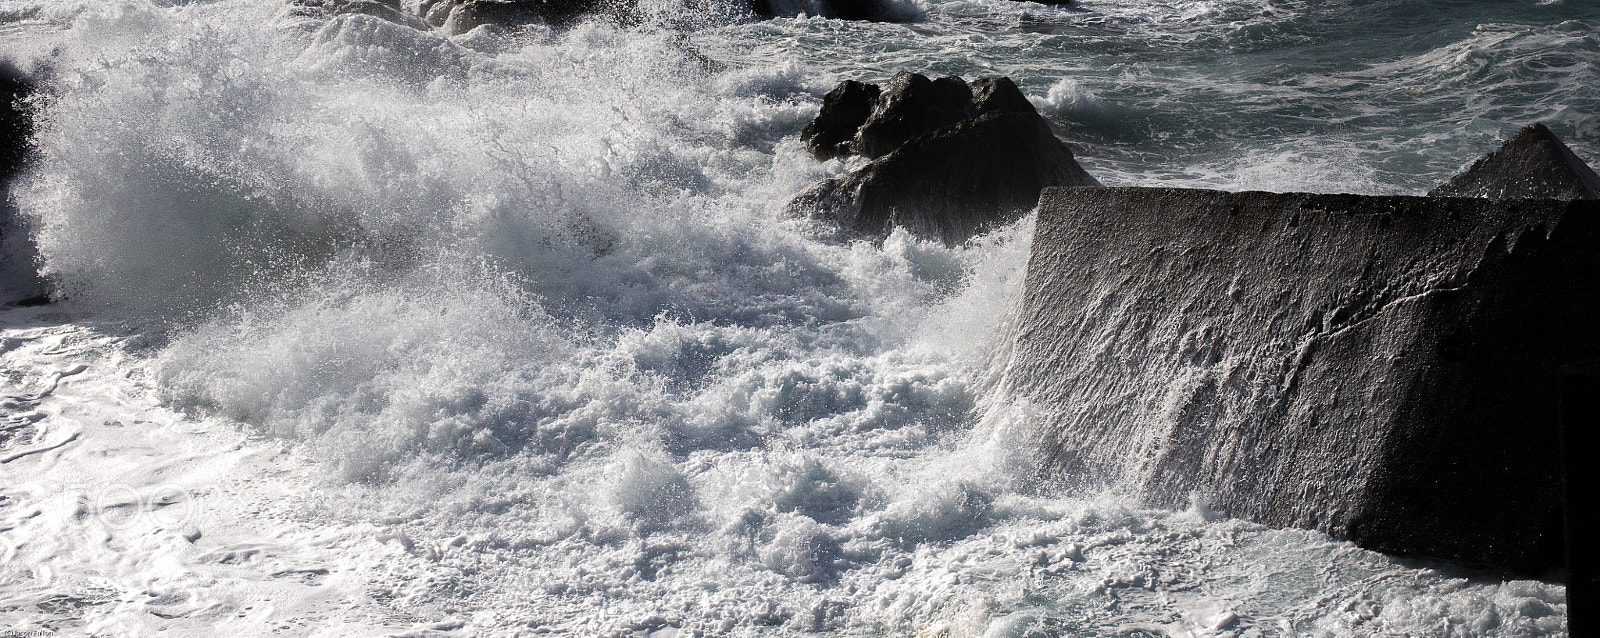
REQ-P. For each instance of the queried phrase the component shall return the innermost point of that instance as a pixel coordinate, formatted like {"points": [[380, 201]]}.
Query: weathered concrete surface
{"points": [[1532, 164], [1385, 369]]}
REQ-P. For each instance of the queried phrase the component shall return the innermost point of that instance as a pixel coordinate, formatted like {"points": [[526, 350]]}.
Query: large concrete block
{"points": [[1384, 369]]}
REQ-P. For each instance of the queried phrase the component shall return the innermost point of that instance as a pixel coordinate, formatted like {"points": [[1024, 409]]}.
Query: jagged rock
{"points": [[949, 184], [999, 95], [1383, 369], [951, 160], [844, 110], [911, 105], [323, 9], [1532, 164]]}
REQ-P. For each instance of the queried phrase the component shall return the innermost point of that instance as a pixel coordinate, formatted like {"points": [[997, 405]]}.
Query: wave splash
{"points": [[527, 295]]}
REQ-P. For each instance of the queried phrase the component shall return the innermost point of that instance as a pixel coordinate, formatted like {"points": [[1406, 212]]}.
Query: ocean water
{"points": [[372, 331]]}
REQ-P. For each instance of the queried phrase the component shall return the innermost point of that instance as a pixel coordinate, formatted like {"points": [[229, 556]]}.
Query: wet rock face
{"points": [[999, 95], [1383, 369], [951, 184], [844, 110], [911, 105], [950, 162], [1532, 164]]}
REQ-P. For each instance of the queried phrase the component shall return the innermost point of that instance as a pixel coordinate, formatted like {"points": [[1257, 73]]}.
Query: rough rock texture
{"points": [[911, 105], [19, 279], [844, 109], [1534, 164], [999, 94], [950, 184], [951, 160], [1384, 369], [1580, 437]]}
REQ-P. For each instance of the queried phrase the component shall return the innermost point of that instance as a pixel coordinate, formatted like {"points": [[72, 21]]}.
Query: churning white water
{"points": [[368, 330]]}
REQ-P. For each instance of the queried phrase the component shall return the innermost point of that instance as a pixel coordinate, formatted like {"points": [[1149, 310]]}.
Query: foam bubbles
{"points": [[1065, 98], [523, 304]]}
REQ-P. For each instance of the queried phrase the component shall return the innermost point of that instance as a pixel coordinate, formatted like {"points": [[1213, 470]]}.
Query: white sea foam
{"points": [[380, 330], [1065, 97]]}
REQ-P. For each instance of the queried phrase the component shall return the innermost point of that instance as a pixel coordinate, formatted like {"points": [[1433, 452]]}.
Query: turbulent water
{"points": [[371, 331]]}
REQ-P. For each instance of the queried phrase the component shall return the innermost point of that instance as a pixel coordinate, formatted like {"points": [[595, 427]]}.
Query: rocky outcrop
{"points": [[951, 162], [844, 110], [1384, 369], [951, 184], [912, 105], [1532, 164], [999, 95], [19, 279]]}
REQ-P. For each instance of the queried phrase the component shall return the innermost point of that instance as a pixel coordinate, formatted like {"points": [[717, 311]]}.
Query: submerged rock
{"points": [[952, 183], [951, 160], [1532, 164], [1384, 369]]}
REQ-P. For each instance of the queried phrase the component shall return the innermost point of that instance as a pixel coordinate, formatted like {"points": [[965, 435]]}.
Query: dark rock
{"points": [[19, 277], [1580, 437], [999, 95], [949, 184], [1532, 164], [911, 105], [844, 109], [323, 9], [1383, 369], [16, 122]]}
